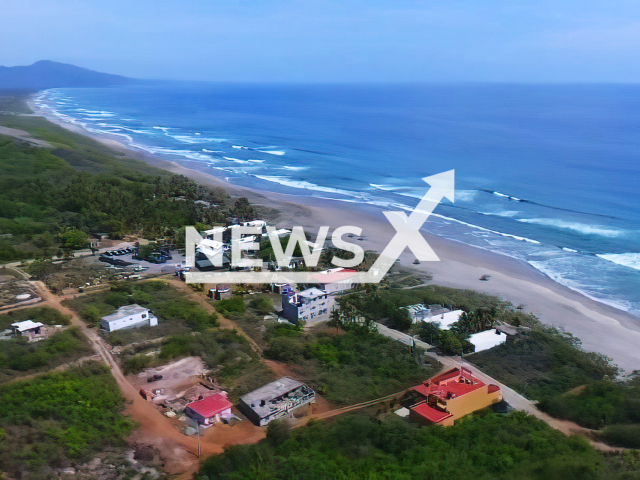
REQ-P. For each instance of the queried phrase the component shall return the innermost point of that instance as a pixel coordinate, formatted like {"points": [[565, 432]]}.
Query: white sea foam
{"points": [[177, 152], [191, 139], [465, 195], [626, 259], [555, 273], [504, 213], [567, 249], [504, 195], [477, 227], [273, 152], [293, 169], [99, 114], [386, 188], [237, 160], [583, 228], [211, 151], [302, 184]]}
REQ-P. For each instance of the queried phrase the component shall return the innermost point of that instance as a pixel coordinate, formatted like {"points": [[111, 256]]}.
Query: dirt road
{"points": [[178, 451], [199, 298]]}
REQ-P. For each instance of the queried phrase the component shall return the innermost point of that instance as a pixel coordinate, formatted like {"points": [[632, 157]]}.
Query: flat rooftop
{"points": [[268, 393], [125, 311], [26, 325], [311, 293]]}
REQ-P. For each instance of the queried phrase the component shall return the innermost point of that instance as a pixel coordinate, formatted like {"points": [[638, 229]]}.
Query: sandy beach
{"points": [[601, 328]]}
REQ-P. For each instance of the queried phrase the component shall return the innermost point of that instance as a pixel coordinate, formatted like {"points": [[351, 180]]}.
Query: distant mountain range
{"points": [[48, 74]]}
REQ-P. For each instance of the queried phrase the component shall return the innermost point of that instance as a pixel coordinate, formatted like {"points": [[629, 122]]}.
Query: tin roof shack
{"points": [[129, 316], [29, 329], [210, 410], [275, 400]]}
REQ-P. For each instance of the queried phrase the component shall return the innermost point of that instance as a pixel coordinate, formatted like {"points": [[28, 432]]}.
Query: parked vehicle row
{"points": [[117, 253]]}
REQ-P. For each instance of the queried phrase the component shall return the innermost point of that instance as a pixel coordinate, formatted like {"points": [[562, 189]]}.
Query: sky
{"points": [[331, 40]]}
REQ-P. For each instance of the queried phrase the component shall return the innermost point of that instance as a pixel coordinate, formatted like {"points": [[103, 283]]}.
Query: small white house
{"points": [[446, 319], [487, 339], [129, 316], [29, 329]]}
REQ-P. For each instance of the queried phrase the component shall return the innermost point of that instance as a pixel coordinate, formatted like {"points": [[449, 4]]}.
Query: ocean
{"points": [[549, 174]]}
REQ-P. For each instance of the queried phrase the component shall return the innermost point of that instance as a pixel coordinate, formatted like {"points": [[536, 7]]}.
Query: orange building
{"points": [[451, 395]]}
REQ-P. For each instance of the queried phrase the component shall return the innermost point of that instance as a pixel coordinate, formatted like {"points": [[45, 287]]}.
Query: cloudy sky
{"points": [[331, 40]]}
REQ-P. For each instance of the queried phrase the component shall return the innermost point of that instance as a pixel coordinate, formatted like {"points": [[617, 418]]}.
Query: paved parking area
{"points": [[152, 268]]}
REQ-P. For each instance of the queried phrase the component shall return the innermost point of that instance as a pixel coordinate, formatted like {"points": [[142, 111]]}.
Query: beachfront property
{"points": [[275, 400], [449, 396], [210, 410], [305, 305], [487, 339], [129, 316], [280, 232], [214, 232], [418, 312], [29, 329], [334, 281]]}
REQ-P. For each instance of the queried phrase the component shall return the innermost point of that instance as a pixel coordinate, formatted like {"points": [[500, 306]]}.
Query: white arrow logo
{"points": [[408, 228]]}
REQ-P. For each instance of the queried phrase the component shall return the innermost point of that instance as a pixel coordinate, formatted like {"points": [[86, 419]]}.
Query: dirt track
{"points": [[179, 452]]}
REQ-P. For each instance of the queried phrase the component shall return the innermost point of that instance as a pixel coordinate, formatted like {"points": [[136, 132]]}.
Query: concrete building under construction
{"points": [[275, 400]]}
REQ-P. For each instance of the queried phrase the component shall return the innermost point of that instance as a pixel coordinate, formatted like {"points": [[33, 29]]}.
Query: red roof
{"points": [[453, 383], [334, 277], [432, 414], [211, 405]]}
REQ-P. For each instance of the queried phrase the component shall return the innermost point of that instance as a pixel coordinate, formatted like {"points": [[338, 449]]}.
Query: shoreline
{"points": [[600, 327]]}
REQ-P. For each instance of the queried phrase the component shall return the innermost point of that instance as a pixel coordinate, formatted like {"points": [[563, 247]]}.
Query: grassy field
{"points": [[59, 418]]}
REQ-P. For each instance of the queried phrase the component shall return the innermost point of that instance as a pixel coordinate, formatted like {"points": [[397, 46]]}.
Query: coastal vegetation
{"points": [[45, 315], [569, 383], [19, 357], [51, 199], [482, 446], [58, 418], [176, 314], [385, 304], [350, 367]]}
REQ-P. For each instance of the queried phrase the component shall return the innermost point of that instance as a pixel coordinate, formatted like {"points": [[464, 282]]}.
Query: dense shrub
{"points": [[59, 416], [233, 305], [261, 304], [622, 435], [484, 446]]}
